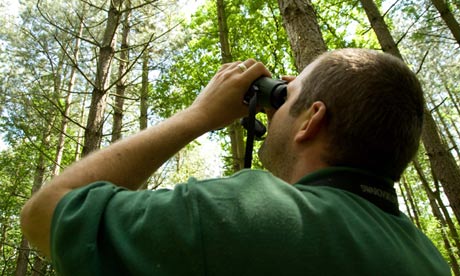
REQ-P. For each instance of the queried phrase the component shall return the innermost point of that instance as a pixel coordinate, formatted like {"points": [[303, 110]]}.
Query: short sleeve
{"points": [[102, 229]]}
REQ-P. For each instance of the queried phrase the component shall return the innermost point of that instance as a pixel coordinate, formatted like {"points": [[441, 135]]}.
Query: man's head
{"points": [[374, 109]]}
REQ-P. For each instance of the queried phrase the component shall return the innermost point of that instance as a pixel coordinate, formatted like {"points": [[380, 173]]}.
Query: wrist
{"points": [[204, 119]]}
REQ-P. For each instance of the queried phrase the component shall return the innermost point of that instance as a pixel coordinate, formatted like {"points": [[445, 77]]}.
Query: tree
{"points": [[123, 62], [94, 125], [448, 18], [302, 28], [235, 131]]}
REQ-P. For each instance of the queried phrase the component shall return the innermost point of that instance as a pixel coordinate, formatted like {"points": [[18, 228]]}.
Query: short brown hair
{"points": [[374, 109]]}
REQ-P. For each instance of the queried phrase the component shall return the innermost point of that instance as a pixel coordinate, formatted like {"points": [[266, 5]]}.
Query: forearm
{"points": [[131, 161]]}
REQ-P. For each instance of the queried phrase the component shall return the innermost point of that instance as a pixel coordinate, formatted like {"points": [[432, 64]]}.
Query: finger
{"points": [[242, 67], [257, 70], [224, 66], [288, 78], [250, 62]]}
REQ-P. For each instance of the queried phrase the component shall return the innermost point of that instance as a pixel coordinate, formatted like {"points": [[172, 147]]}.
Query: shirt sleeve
{"points": [[102, 229]]}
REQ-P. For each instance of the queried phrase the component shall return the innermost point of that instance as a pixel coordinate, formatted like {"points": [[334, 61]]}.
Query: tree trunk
{"points": [[446, 128], [122, 76], [23, 258], [448, 18], [412, 203], [144, 97], [68, 101], [235, 130], [95, 123], [439, 217], [24, 251], [223, 33], [39, 266], [78, 151], [406, 201], [302, 28], [143, 119], [380, 28], [443, 163]]}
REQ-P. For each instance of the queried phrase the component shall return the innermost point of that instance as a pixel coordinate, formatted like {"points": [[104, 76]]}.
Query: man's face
{"points": [[277, 153]]}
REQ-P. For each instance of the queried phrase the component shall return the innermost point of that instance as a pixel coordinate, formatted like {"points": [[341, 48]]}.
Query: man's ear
{"points": [[313, 120]]}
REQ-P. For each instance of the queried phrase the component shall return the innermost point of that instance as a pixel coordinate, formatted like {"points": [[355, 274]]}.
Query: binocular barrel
{"points": [[271, 93]]}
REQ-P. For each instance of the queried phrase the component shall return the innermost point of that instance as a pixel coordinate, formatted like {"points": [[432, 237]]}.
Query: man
{"points": [[349, 126]]}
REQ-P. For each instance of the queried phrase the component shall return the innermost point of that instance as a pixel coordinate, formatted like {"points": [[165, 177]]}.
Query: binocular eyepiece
{"points": [[271, 93], [265, 92]]}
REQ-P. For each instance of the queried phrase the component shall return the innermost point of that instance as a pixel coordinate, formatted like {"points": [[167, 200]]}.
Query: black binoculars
{"points": [[271, 93], [264, 92]]}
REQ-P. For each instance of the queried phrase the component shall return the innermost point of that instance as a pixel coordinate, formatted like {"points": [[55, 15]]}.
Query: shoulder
{"points": [[246, 184]]}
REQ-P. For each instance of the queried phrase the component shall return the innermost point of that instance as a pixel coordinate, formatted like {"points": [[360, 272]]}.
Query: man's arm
{"points": [[129, 162]]}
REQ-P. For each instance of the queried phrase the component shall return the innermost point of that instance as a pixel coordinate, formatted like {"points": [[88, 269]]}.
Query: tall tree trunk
{"points": [[143, 119], [68, 101], [223, 33], [144, 97], [79, 146], [406, 201], [23, 258], [448, 18], [302, 28], [122, 76], [438, 215], [94, 126], [453, 124], [446, 128], [235, 130], [39, 267], [411, 200], [24, 251], [443, 163], [447, 215]]}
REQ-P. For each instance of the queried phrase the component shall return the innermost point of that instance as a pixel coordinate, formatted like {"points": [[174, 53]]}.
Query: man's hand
{"points": [[221, 101]]}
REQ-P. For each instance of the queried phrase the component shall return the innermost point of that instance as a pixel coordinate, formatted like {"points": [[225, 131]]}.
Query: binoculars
{"points": [[271, 93], [266, 93]]}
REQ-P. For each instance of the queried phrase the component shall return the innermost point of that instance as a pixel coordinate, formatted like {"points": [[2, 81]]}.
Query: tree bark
{"points": [[412, 204], [446, 128], [78, 147], [302, 28], [143, 119], [442, 162], [144, 97], [122, 77], [68, 101], [448, 18], [235, 130], [23, 258], [380, 28], [95, 123], [406, 201], [434, 201], [24, 250]]}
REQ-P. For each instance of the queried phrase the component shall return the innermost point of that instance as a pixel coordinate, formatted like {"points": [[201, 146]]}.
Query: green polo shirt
{"points": [[251, 223]]}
